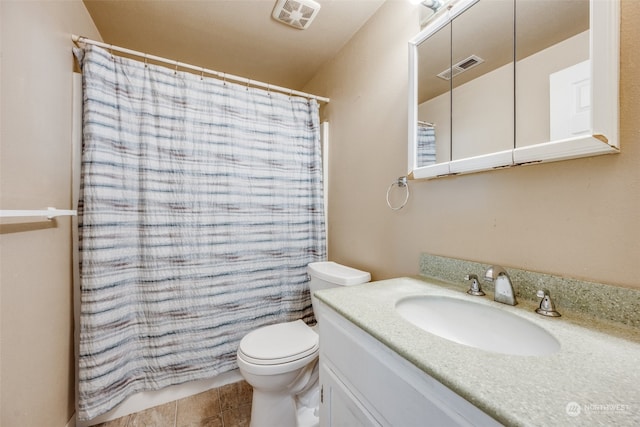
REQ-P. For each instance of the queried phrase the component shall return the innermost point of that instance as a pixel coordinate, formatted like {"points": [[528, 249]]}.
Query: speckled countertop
{"points": [[593, 380]]}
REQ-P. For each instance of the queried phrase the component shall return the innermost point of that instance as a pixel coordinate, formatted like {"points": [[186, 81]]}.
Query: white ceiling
{"points": [[233, 36]]}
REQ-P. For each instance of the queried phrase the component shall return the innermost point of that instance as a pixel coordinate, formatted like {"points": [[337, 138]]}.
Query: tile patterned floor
{"points": [[227, 406]]}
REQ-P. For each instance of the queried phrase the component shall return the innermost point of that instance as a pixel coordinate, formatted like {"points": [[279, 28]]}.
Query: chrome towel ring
{"points": [[401, 182]]}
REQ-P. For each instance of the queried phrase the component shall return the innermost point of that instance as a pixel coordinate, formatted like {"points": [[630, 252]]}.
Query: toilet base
{"points": [[270, 409], [281, 409], [308, 417]]}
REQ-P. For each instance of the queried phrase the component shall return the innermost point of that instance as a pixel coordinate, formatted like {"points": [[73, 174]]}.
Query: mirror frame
{"points": [[604, 24]]}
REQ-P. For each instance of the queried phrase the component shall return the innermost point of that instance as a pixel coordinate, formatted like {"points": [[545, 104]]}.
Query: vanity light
{"points": [[431, 4], [432, 7]]}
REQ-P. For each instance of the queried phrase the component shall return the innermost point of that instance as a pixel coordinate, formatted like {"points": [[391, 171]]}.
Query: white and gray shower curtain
{"points": [[426, 146], [201, 205]]}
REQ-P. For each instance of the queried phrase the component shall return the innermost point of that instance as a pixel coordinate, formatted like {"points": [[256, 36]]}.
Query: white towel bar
{"points": [[50, 213]]}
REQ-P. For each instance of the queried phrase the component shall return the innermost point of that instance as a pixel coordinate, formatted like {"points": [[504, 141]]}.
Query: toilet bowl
{"points": [[280, 361], [276, 361]]}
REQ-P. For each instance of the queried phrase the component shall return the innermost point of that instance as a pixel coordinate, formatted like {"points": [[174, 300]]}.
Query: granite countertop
{"points": [[593, 380]]}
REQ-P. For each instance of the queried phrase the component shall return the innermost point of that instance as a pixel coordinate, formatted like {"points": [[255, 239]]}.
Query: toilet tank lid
{"points": [[337, 273]]}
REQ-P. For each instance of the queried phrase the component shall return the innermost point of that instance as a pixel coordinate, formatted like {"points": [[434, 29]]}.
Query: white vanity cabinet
{"points": [[364, 383], [340, 407]]}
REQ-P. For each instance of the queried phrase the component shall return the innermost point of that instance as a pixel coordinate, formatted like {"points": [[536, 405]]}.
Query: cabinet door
{"points": [[339, 407], [390, 389]]}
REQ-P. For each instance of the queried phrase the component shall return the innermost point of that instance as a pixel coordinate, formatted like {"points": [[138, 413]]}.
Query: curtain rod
{"points": [[80, 39]]}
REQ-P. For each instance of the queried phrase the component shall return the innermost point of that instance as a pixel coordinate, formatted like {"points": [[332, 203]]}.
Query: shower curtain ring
{"points": [[202, 74], [111, 52], [145, 61], [176, 70], [248, 83]]}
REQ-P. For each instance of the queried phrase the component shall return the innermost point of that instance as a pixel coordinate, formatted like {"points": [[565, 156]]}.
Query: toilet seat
{"points": [[279, 344]]}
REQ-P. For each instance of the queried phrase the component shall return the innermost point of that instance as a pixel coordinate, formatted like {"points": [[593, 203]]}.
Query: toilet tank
{"points": [[328, 274]]}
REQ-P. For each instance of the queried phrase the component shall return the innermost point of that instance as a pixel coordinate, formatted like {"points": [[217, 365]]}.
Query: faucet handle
{"points": [[475, 285], [547, 308]]}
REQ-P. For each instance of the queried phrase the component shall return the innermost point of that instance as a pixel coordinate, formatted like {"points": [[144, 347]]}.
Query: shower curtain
{"points": [[426, 146], [201, 205]]}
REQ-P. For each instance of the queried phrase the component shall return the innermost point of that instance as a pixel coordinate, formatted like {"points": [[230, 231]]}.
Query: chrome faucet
{"points": [[503, 291]]}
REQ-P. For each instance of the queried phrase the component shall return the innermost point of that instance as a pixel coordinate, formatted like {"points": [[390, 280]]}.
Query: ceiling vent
{"points": [[296, 13], [461, 67]]}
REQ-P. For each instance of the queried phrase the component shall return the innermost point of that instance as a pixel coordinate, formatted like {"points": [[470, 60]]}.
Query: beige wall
{"points": [[578, 218], [36, 353]]}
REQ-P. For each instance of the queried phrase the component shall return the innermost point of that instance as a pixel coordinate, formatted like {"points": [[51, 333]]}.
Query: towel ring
{"points": [[400, 182]]}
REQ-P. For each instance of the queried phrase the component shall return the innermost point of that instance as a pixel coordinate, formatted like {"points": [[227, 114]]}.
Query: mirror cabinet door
{"points": [[482, 81], [553, 72], [433, 136]]}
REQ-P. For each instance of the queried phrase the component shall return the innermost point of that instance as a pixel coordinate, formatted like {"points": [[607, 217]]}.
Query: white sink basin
{"points": [[477, 325]]}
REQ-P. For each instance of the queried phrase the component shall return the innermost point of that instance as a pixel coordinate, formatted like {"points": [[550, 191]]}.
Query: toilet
{"points": [[280, 361]]}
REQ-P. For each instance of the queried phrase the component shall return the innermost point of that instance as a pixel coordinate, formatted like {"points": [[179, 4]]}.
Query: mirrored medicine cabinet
{"points": [[499, 83]]}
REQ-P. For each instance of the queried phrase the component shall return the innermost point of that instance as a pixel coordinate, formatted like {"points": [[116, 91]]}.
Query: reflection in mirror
{"points": [[426, 144], [434, 111], [512, 66], [552, 71], [483, 89], [430, 10]]}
